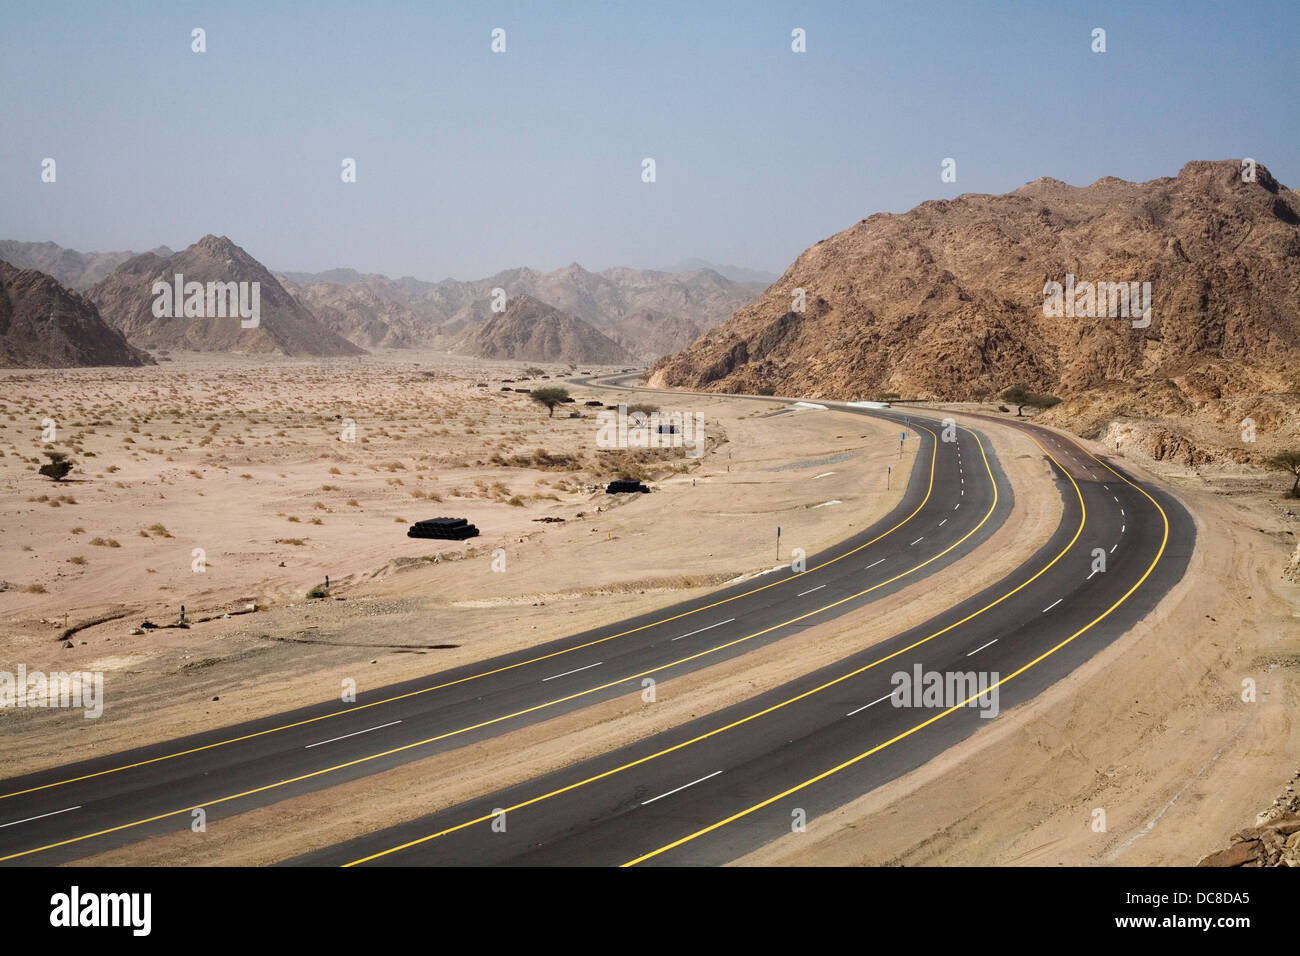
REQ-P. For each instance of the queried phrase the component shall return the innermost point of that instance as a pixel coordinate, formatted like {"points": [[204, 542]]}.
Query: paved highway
{"points": [[709, 791], [955, 499]]}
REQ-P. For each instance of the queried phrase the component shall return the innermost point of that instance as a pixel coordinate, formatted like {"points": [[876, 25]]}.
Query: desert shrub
{"points": [[58, 467]]}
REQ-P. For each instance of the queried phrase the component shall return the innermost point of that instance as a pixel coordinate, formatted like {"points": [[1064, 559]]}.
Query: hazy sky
{"points": [[469, 162]]}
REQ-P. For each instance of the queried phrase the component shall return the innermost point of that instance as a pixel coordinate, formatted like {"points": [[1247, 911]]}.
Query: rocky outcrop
{"points": [[1292, 571], [947, 301], [1274, 840]]}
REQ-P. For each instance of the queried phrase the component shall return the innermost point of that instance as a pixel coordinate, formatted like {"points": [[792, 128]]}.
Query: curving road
{"points": [[955, 499], [725, 784]]}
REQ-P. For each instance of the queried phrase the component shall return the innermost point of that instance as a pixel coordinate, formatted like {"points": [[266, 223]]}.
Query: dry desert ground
{"points": [[244, 459]]}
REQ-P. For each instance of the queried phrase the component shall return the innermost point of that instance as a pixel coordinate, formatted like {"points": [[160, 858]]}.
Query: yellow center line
{"points": [[537, 707], [785, 703], [488, 673], [879, 747]]}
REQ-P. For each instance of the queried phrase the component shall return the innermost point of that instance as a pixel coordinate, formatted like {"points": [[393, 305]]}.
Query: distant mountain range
{"points": [[619, 302], [634, 314], [76, 270]]}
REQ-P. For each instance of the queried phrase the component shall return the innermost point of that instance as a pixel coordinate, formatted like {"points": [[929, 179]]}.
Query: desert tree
{"points": [[1020, 396], [1288, 461], [551, 396], [58, 467]]}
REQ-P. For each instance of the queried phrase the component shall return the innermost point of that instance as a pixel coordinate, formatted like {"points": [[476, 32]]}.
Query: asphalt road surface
{"points": [[725, 784], [956, 497]]}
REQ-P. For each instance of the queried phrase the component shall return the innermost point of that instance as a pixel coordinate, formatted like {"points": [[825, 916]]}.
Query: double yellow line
{"points": [[907, 733], [775, 707], [497, 670], [495, 720]]}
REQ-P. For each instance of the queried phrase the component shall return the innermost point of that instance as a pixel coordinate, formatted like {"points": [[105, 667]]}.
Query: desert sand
{"points": [[1179, 761], [428, 442]]}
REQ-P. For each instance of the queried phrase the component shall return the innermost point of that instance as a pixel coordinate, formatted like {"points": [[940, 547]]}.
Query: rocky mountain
{"points": [[647, 334], [651, 313], [127, 299], [700, 297], [364, 318], [531, 330], [44, 325], [76, 270], [951, 301]]}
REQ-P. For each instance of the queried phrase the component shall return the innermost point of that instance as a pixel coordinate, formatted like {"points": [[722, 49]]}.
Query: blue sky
{"points": [[470, 162]]}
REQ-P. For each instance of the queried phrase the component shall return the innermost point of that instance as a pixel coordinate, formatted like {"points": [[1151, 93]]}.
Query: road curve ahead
{"points": [[710, 791], [956, 497]]}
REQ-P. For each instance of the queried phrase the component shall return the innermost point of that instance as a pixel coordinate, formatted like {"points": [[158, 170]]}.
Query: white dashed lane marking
{"points": [[681, 788], [865, 706], [346, 736], [574, 671], [52, 813], [703, 629]]}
